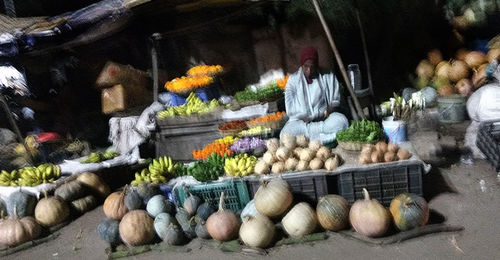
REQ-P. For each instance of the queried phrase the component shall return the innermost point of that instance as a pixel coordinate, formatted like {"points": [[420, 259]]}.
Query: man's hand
{"points": [[325, 114]]}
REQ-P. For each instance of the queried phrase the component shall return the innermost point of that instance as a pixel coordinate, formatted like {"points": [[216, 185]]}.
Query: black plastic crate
{"points": [[307, 186], [382, 183], [488, 141]]}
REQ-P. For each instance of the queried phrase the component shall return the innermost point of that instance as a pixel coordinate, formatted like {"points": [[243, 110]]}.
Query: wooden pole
{"points": [[339, 60], [365, 48]]}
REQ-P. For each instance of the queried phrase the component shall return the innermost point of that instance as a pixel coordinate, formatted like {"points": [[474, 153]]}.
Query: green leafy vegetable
{"points": [[361, 131], [207, 170], [270, 92]]}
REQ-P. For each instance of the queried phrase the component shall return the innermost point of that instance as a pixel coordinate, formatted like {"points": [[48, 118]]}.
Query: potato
{"points": [[389, 156], [377, 156], [381, 146], [367, 149], [403, 154], [365, 159], [392, 147]]}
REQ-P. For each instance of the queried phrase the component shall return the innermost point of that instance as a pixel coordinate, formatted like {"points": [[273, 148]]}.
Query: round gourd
{"points": [[205, 210], [189, 228], [269, 157], [84, 204], [23, 202], [147, 190], [303, 166], [261, 167], [278, 167], [94, 183], [368, 217], [307, 154], [409, 211], [174, 235], [15, 231], [291, 164], [302, 141], [51, 211], [332, 163], [323, 153], [333, 212], [162, 222], [223, 225], [316, 164], [249, 210], [158, 204], [191, 204], [301, 220], [314, 146], [133, 200], [283, 153], [182, 216], [108, 230], [70, 191], [136, 228], [272, 145], [201, 231], [289, 141], [257, 231], [114, 205], [273, 197]]}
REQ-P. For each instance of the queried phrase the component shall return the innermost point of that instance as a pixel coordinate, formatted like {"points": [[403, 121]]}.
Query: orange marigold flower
{"points": [[282, 82], [186, 84], [205, 70]]}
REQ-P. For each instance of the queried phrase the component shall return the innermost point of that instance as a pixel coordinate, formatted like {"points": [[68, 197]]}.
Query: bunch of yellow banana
{"points": [[158, 171], [9, 178], [241, 165], [99, 157], [226, 140], [193, 105], [31, 176]]}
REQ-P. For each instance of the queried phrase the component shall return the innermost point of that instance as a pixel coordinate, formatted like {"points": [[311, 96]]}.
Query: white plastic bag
{"points": [[484, 104]]}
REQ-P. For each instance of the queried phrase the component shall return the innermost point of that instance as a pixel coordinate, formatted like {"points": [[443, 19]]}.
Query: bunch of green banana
{"points": [[159, 171], [9, 178], [99, 157], [31, 176], [241, 165], [193, 105]]}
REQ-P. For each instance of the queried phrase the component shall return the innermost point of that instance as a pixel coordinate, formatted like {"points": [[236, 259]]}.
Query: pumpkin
{"points": [[23, 202], [333, 212], [301, 220], [201, 230], [94, 183], [114, 205], [273, 197], [158, 204], [409, 211], [189, 228], [162, 222], [136, 228], [182, 216], [205, 210], [84, 204], [108, 230], [133, 200], [147, 190], [15, 231], [223, 225], [191, 203], [257, 231], [70, 191], [51, 211], [174, 235], [368, 217]]}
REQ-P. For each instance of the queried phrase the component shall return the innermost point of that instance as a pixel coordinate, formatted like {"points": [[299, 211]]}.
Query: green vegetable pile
{"points": [[361, 131], [204, 171], [268, 93]]}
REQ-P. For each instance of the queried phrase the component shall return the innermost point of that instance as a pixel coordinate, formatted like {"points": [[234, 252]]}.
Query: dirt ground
{"points": [[454, 191]]}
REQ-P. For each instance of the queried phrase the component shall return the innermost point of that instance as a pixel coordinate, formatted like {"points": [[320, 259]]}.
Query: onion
{"points": [[278, 167], [434, 56], [269, 157], [493, 54], [323, 153], [314, 145], [302, 141], [464, 87], [425, 69], [282, 153], [296, 152], [458, 71], [289, 141], [442, 69], [475, 58], [307, 154], [257, 231], [291, 164], [316, 164], [479, 77], [332, 163], [223, 225], [273, 197], [300, 221], [303, 166], [461, 53], [446, 90], [272, 145], [261, 167]]}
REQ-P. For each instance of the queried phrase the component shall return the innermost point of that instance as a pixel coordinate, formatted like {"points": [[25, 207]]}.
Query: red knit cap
{"points": [[308, 53]]}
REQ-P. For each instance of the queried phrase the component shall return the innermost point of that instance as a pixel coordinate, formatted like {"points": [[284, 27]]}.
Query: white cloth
{"points": [[245, 113], [484, 104], [307, 102]]}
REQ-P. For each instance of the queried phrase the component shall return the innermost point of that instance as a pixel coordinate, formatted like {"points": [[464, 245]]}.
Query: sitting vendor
{"points": [[311, 99]]}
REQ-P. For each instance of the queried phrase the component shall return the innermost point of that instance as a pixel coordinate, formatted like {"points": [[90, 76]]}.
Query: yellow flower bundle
{"points": [[187, 84], [205, 70]]}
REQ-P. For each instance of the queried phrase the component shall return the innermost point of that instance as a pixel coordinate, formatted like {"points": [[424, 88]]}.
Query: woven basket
{"points": [[231, 132], [273, 124], [353, 146]]}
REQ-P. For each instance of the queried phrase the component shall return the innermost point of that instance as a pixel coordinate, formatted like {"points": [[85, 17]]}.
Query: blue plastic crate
{"points": [[205, 94]]}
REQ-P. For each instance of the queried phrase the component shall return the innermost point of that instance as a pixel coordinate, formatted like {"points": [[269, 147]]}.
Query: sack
{"points": [[114, 74], [484, 104]]}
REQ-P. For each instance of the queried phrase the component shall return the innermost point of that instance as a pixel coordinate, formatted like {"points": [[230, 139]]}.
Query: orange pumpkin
{"points": [[114, 206]]}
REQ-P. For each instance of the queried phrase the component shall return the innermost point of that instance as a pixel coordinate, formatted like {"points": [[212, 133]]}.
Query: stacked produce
{"points": [[99, 157], [233, 125], [30, 176], [363, 131], [255, 131], [193, 105], [382, 152], [462, 75], [29, 218], [269, 93], [208, 170], [198, 77], [270, 120], [241, 165], [159, 171], [219, 146], [249, 145], [296, 153]]}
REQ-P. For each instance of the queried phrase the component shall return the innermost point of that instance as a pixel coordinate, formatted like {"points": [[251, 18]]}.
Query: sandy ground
{"points": [[453, 190]]}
